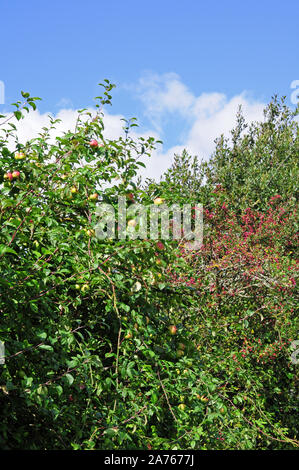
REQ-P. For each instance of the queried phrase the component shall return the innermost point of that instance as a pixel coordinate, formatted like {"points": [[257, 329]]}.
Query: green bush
{"points": [[91, 361]]}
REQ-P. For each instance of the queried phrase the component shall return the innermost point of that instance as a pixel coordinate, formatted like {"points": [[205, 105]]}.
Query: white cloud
{"points": [[208, 115], [164, 96]]}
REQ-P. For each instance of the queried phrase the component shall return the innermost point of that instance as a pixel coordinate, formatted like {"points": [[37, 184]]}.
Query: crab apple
{"points": [[85, 288], [182, 406], [181, 346], [179, 353], [129, 335], [93, 197], [160, 246], [130, 196], [20, 155], [90, 233], [8, 176], [172, 329], [74, 190], [158, 200], [93, 143], [15, 174]]}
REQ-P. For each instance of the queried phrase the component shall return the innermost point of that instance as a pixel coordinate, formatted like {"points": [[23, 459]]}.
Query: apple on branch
{"points": [[158, 201], [20, 155], [172, 329], [93, 197], [8, 176]]}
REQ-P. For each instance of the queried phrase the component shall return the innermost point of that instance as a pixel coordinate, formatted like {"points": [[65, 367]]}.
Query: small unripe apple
{"points": [[93, 197], [20, 155], [158, 201], [129, 335], [8, 176], [85, 288], [93, 143], [180, 353], [181, 346], [77, 287], [74, 190], [15, 174], [90, 233], [182, 406], [172, 329]]}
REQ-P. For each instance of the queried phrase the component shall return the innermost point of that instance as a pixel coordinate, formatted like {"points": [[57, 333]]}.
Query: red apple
{"points": [[93, 143], [8, 176], [160, 246], [172, 329], [15, 174], [130, 196]]}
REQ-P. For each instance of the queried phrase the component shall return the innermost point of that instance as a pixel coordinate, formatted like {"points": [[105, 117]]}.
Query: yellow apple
{"points": [[158, 201], [93, 197], [20, 155]]}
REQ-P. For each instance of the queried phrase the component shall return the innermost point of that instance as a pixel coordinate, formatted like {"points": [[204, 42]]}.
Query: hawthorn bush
{"points": [[141, 344]]}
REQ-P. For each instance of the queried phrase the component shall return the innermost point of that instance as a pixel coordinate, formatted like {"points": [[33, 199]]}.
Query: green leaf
{"points": [[46, 347], [69, 378]]}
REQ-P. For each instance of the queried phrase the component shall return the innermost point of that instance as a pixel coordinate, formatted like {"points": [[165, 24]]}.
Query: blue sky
{"points": [[61, 50]]}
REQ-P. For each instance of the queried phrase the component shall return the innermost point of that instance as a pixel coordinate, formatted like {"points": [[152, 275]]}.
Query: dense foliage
{"points": [[143, 344]]}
